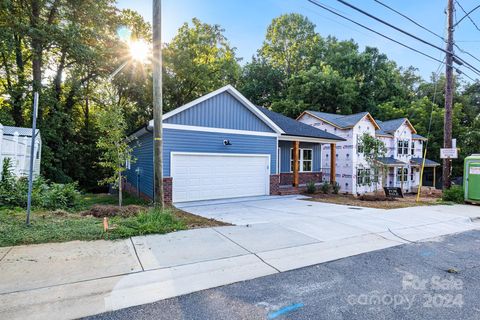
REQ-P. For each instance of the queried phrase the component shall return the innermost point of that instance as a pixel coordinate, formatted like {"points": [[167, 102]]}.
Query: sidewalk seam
{"points": [[268, 264], [136, 254], [8, 251]]}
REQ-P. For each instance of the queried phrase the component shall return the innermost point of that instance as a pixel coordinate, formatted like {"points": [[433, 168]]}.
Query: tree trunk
{"points": [[120, 189]]}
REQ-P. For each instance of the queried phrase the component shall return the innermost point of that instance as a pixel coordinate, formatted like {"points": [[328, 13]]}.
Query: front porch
{"points": [[299, 163]]}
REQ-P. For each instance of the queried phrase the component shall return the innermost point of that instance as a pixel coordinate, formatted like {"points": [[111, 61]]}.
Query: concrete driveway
{"points": [[298, 220]]}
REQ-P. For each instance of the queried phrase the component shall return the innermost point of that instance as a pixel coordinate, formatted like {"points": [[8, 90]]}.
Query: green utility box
{"points": [[471, 178]]}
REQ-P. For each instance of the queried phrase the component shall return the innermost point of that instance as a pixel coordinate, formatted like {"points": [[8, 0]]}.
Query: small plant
{"points": [[336, 188], [311, 188], [454, 194], [325, 187]]}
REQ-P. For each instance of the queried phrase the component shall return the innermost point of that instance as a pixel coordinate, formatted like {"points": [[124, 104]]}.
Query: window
{"points": [[127, 164], [359, 146], [412, 177], [413, 148], [305, 158], [360, 174], [366, 179], [375, 175], [402, 147], [402, 174]]}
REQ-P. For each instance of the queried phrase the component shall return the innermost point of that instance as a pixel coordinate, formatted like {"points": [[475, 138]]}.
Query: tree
{"points": [[113, 143], [290, 44], [373, 149], [198, 60]]}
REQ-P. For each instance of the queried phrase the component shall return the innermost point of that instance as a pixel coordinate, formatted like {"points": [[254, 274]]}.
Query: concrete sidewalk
{"points": [[76, 279]]}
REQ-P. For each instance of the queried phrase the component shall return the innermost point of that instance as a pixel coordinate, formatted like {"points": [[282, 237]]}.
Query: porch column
{"points": [[333, 162], [434, 172], [296, 148]]}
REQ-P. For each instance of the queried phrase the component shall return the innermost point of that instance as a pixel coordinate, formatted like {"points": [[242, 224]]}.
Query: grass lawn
{"points": [[346, 199], [59, 226]]}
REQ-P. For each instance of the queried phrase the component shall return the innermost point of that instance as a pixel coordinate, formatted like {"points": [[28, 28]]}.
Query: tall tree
{"points": [[198, 60]]}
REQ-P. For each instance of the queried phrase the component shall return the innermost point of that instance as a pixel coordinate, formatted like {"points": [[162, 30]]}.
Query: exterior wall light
{"points": [[227, 143]]}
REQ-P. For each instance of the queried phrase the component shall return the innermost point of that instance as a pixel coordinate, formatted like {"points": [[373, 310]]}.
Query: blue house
{"points": [[223, 146]]}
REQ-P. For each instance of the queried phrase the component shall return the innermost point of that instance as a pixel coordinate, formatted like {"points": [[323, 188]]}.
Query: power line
{"points": [[425, 28], [385, 36], [408, 34], [410, 19], [467, 15]]}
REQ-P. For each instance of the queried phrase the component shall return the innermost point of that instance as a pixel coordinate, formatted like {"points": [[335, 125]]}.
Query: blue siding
{"points": [[221, 111], [285, 147], [193, 141], [143, 153]]}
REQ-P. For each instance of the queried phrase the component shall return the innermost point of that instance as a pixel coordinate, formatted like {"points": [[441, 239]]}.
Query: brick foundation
{"points": [[286, 179], [167, 190], [274, 184]]}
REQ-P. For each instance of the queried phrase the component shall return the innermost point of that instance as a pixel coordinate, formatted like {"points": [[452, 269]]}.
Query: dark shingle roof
{"points": [[419, 137], [428, 162], [22, 132], [339, 120], [296, 128], [391, 126], [391, 161]]}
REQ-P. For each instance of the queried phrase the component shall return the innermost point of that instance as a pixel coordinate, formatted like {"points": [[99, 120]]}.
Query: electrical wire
{"points": [[387, 37], [409, 19], [409, 34], [467, 15]]}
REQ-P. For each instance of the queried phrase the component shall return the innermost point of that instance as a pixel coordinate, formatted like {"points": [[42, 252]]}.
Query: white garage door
{"points": [[216, 176]]}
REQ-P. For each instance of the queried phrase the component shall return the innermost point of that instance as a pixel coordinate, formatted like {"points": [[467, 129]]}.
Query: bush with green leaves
{"points": [[45, 195], [325, 187], [336, 188], [454, 194], [311, 188]]}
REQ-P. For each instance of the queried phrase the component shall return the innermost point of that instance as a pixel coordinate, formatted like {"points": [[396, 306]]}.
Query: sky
{"points": [[246, 21]]}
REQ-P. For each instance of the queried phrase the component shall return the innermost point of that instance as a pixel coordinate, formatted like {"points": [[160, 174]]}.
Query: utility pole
{"points": [[447, 125], [157, 104]]}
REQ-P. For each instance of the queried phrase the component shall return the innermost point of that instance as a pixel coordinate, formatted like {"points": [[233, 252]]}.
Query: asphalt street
{"points": [[438, 279]]}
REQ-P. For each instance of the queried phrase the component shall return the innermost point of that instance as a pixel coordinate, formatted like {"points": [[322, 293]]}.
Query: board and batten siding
{"points": [[285, 147], [221, 111], [176, 140]]}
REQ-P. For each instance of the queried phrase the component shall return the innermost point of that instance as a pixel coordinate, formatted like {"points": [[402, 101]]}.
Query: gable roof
{"points": [[341, 121], [22, 132], [418, 137], [293, 127], [390, 126], [236, 94]]}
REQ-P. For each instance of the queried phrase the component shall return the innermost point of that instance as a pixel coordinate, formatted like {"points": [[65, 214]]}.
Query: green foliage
{"points": [[372, 149], [45, 195], [336, 188], [153, 221], [454, 194], [311, 188], [198, 60], [325, 187]]}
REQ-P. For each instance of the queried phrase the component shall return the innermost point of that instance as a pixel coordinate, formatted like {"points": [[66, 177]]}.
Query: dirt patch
{"points": [[377, 201], [193, 221], [100, 211]]}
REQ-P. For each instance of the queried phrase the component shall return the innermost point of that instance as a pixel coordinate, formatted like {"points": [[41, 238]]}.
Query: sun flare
{"points": [[139, 50]]}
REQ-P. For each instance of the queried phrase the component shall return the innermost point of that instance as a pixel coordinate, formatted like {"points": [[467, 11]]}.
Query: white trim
{"points": [[300, 160], [307, 139], [218, 130], [260, 155], [237, 95]]}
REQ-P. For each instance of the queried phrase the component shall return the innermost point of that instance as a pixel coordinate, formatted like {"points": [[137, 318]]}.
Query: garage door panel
{"points": [[216, 176]]}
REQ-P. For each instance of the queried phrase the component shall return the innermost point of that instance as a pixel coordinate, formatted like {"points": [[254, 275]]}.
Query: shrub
{"points": [[325, 187], [311, 188], [454, 194], [336, 188], [45, 195]]}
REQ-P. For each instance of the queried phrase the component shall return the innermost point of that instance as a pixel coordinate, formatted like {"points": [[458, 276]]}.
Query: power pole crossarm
{"points": [[447, 126], [157, 103]]}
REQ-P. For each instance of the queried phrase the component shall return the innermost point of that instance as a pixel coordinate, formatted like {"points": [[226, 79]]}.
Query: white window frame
{"points": [[301, 160], [412, 148]]}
